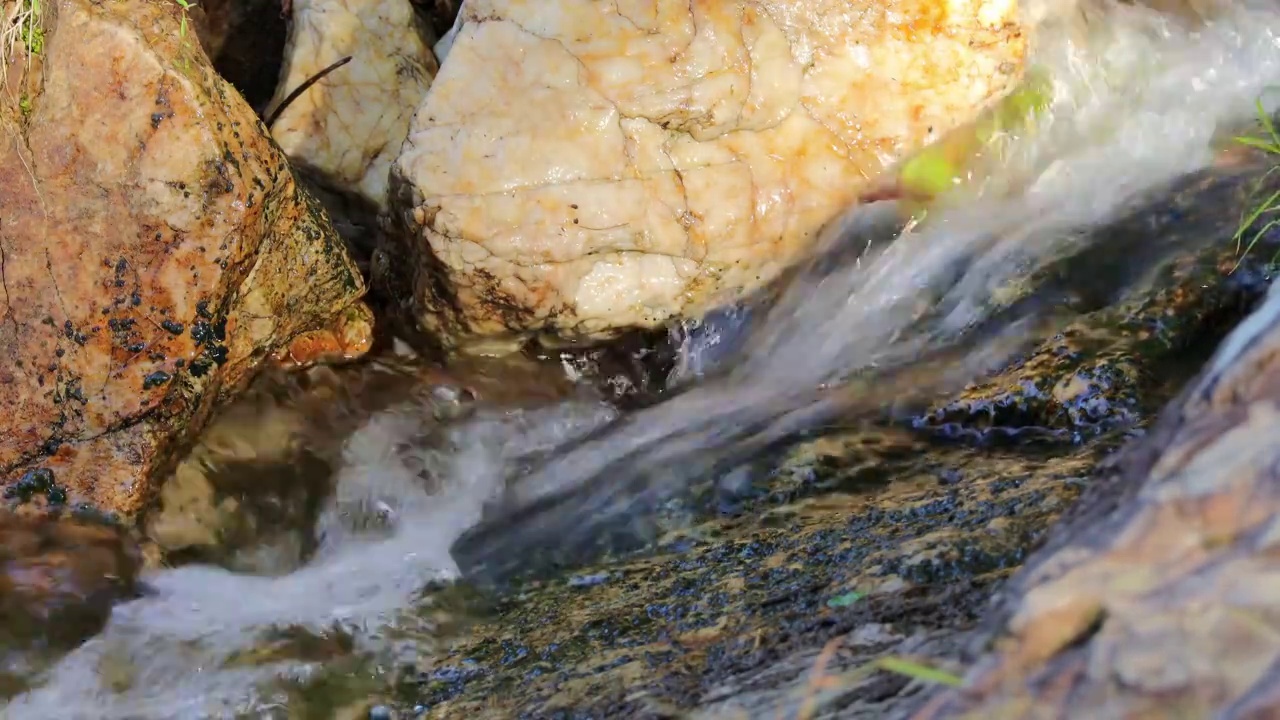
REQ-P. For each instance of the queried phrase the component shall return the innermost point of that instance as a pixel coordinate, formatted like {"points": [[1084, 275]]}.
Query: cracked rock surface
{"points": [[156, 250], [580, 167], [349, 126]]}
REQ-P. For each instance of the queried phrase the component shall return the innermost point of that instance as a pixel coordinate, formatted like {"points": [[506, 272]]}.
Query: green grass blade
{"points": [[1267, 125], [1256, 237], [1258, 211], [1267, 146], [912, 669]]}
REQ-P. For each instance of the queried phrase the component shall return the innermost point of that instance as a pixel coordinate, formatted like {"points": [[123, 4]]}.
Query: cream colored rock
{"points": [[349, 126], [580, 167]]}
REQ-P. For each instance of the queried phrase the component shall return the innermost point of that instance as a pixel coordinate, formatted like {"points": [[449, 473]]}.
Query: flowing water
{"points": [[1139, 98]]}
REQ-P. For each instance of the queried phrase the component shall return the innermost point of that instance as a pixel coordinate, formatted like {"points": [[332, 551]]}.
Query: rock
{"points": [[579, 168], [349, 126], [1159, 594], [59, 578], [757, 600], [156, 249], [349, 338]]}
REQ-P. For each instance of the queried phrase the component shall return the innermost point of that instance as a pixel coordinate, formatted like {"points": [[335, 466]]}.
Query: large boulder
{"points": [[581, 167], [156, 250]]}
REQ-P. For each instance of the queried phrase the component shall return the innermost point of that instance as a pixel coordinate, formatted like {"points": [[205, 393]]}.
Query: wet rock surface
{"points": [[782, 587], [1159, 592], [348, 337], [156, 249], [1100, 371], [58, 580], [732, 610], [576, 170]]}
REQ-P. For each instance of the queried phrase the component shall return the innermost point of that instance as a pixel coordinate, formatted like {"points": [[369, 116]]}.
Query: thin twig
{"points": [[275, 114]]}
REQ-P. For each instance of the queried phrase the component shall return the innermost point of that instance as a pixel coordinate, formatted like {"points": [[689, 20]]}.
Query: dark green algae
{"points": [[734, 594]]}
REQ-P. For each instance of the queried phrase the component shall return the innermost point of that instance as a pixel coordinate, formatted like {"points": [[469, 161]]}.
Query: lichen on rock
{"points": [[156, 249], [578, 168]]}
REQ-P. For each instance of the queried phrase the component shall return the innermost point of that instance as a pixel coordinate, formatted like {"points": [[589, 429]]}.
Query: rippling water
{"points": [[1138, 99]]}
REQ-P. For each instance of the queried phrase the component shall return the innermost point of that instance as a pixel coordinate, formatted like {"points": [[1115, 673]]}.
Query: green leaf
{"points": [[1257, 236], [912, 669], [1269, 205], [929, 173], [845, 600]]}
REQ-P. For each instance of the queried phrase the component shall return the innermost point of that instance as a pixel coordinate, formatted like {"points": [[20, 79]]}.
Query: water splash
{"points": [[1139, 96], [407, 488]]}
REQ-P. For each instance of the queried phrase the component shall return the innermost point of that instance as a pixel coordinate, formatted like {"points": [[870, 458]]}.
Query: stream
{"points": [[878, 325]]}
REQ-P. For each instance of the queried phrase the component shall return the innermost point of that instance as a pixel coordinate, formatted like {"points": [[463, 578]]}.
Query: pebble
{"points": [[588, 580]]}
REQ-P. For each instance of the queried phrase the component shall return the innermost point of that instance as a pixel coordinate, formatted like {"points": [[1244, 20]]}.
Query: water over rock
{"points": [[1159, 589], [248, 494], [796, 582]]}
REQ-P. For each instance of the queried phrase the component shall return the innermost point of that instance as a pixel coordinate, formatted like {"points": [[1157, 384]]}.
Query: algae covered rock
{"points": [[349, 126], [579, 167], [1093, 375], [1160, 593], [156, 249]]}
